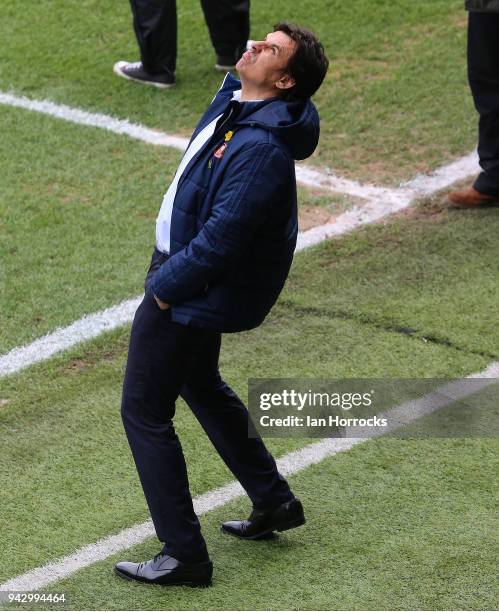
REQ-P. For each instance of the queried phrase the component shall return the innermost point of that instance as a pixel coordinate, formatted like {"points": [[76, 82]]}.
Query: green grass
{"points": [[474, 416], [65, 453], [71, 433], [396, 100], [78, 207], [390, 525], [68, 477], [395, 524]]}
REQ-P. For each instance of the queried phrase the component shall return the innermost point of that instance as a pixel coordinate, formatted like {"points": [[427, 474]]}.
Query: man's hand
{"points": [[162, 305]]}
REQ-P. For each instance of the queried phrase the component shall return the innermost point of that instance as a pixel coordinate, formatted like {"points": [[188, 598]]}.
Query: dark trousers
{"points": [[166, 360], [155, 25], [483, 72]]}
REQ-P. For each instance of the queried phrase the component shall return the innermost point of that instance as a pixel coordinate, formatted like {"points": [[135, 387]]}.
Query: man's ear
{"points": [[285, 82]]}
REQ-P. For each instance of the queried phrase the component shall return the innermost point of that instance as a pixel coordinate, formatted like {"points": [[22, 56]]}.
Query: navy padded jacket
{"points": [[234, 221]]}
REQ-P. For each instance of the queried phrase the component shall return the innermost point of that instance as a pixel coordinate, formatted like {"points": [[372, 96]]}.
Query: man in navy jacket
{"points": [[225, 238]]}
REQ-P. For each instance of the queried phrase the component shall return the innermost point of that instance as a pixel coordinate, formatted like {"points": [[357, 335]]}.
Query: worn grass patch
{"points": [[317, 207]]}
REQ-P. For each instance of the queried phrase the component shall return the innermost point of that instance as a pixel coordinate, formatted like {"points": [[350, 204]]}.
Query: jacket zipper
{"points": [[215, 134], [224, 122]]}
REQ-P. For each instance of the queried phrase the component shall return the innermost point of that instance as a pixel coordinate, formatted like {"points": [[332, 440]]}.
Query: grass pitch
{"points": [[391, 524], [60, 429], [396, 100]]}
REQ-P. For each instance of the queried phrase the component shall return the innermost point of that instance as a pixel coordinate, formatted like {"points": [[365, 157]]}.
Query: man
{"points": [[225, 238], [155, 25], [483, 73]]}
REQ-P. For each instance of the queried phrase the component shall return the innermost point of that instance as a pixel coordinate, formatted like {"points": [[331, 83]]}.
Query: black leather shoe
{"points": [[262, 523], [167, 571]]}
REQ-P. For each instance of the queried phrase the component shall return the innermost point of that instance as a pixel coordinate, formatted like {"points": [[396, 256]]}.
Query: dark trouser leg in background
{"points": [[229, 25], [155, 25], [483, 72], [224, 418]]}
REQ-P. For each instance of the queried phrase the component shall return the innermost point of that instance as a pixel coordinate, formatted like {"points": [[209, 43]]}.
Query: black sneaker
{"points": [[134, 71], [225, 64]]}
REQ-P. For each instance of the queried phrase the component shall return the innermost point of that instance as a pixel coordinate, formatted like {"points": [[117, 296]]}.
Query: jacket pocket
{"points": [[157, 260]]}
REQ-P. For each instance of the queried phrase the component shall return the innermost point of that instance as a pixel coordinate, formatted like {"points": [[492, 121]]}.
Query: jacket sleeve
{"points": [[252, 183]]}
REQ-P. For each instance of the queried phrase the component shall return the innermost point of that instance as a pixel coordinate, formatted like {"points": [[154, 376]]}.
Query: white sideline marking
{"points": [[424, 185], [105, 122], [288, 465], [380, 202], [371, 211], [305, 174], [63, 338], [328, 180]]}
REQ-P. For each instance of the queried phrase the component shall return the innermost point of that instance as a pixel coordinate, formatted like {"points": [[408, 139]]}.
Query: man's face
{"points": [[264, 65]]}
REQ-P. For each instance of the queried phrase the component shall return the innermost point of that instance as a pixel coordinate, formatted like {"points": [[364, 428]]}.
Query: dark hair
{"points": [[308, 65]]}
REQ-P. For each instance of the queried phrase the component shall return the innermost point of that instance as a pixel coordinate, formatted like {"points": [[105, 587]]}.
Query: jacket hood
{"points": [[296, 124]]}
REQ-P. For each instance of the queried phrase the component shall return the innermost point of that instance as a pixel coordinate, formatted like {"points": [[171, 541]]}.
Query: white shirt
{"points": [[163, 221]]}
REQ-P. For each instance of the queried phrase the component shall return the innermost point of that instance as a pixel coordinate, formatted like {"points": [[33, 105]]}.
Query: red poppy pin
{"points": [[219, 153]]}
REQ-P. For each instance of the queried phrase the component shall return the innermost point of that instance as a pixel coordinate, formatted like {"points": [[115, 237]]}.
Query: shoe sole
{"points": [[200, 585], [117, 71], [267, 534], [222, 68]]}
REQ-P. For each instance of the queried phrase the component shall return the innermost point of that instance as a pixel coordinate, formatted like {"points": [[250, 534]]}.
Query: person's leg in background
{"points": [[483, 71], [483, 75], [155, 26], [229, 26]]}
